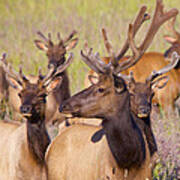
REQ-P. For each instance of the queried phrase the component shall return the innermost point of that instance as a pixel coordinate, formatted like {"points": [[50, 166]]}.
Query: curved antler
{"points": [[140, 19], [159, 18], [94, 61], [175, 59]]}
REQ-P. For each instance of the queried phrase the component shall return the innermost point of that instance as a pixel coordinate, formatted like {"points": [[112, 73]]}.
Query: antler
{"points": [[158, 19], [70, 36], [175, 59], [20, 78], [47, 40], [171, 27], [94, 61], [140, 19]]}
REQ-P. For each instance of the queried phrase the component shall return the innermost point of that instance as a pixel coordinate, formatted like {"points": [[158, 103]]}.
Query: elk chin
{"points": [[142, 115], [26, 115]]}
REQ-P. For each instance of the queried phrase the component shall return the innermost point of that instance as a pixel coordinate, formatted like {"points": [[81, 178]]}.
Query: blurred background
{"points": [[21, 19]]}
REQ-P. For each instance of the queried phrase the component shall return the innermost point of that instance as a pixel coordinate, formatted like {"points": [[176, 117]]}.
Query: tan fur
{"points": [[73, 156], [16, 162]]}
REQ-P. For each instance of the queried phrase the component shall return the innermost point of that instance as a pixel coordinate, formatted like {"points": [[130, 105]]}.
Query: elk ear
{"points": [[54, 84], [169, 39], [93, 79], [159, 83], [41, 45], [119, 84], [130, 86], [72, 44], [14, 84]]}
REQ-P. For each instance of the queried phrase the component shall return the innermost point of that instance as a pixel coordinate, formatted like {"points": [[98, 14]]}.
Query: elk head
{"points": [[109, 93], [56, 52], [173, 40], [33, 95], [141, 94]]}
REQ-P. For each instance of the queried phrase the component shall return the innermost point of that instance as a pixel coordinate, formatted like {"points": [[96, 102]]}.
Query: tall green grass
{"points": [[21, 19]]}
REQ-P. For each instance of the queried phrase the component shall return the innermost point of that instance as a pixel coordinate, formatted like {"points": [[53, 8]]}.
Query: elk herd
{"points": [[118, 143]]}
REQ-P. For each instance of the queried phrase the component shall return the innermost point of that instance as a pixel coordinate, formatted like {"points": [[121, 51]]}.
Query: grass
{"points": [[21, 19]]}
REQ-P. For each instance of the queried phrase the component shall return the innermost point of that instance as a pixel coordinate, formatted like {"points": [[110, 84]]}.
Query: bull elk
{"points": [[123, 148], [23, 147], [151, 61], [56, 56]]}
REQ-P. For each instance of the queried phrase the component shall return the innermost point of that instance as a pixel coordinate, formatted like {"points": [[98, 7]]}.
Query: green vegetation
{"points": [[21, 19]]}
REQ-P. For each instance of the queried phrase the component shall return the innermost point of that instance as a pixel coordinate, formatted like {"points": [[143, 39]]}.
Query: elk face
{"points": [[56, 55], [141, 96], [33, 100], [56, 52], [99, 99]]}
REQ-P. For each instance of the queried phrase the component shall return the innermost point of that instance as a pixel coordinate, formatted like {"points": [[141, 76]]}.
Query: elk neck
{"points": [[124, 137], [145, 125], [37, 136]]}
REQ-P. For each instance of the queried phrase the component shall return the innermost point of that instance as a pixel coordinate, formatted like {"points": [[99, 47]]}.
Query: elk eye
{"points": [[19, 94], [152, 94], [101, 90], [43, 96]]}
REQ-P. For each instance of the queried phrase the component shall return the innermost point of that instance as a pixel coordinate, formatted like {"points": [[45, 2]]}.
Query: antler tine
{"points": [[62, 67], [49, 74], [134, 58], [86, 59], [171, 27], [94, 61], [4, 58], [59, 70], [70, 36], [109, 48], [158, 19], [9, 70], [23, 77], [175, 59], [12, 73], [42, 36], [129, 77], [40, 73], [58, 36], [49, 36], [140, 19]]}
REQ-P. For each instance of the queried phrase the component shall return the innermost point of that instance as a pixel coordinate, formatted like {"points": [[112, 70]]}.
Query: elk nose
{"points": [[25, 109], [61, 107], [64, 107], [144, 110]]}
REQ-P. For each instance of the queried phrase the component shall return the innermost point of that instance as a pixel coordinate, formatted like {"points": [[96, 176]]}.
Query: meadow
{"points": [[21, 19]]}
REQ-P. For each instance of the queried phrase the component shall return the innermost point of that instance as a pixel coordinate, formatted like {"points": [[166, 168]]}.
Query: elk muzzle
{"points": [[143, 111], [26, 109]]}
